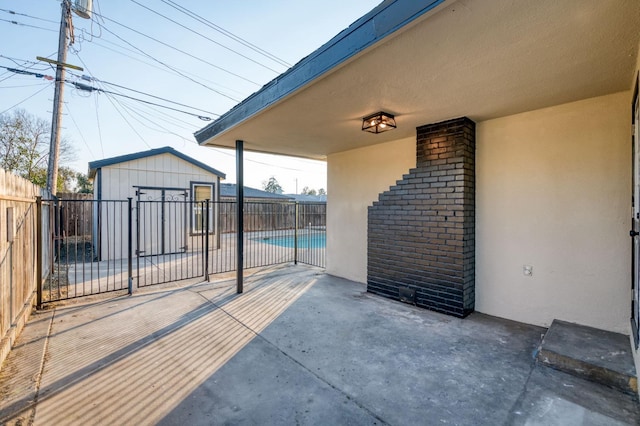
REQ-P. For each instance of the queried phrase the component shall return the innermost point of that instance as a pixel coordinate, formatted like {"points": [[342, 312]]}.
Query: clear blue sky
{"points": [[102, 126]]}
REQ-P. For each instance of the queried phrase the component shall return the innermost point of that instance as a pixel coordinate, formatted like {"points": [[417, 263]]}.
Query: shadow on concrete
{"points": [[113, 361]]}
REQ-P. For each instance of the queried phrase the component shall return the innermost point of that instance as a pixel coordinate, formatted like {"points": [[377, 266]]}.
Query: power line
{"points": [[80, 132], [11, 12], [169, 66], [99, 129], [113, 102], [15, 61], [22, 66], [27, 25], [162, 128], [155, 97], [174, 48], [24, 100], [88, 88], [169, 71], [23, 85], [206, 38], [227, 33]]}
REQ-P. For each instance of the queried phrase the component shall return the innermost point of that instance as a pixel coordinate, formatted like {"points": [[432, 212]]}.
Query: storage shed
{"points": [[166, 187]]}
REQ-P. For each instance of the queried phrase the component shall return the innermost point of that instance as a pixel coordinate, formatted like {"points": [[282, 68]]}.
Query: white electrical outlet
{"points": [[527, 270]]}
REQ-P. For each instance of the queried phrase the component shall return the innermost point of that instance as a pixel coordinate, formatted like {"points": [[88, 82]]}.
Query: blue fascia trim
{"points": [[382, 21], [94, 165]]}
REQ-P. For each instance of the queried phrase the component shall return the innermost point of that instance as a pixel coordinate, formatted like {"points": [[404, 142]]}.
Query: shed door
{"points": [[162, 221]]}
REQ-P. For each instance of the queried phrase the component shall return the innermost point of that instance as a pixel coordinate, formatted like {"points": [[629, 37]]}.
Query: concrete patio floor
{"points": [[298, 347]]}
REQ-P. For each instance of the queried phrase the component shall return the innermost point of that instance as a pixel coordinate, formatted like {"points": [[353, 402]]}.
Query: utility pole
{"points": [[54, 147]]}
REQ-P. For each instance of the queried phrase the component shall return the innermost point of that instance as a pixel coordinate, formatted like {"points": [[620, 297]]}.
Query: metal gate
{"points": [[86, 247], [172, 236]]}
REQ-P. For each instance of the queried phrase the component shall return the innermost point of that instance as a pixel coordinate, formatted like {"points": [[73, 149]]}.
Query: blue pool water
{"points": [[304, 241]]}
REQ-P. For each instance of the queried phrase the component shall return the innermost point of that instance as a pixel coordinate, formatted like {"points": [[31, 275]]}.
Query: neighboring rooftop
{"points": [[95, 165], [228, 190]]}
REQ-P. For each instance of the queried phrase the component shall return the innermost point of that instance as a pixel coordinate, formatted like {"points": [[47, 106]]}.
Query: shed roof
{"points": [[95, 165], [229, 190]]}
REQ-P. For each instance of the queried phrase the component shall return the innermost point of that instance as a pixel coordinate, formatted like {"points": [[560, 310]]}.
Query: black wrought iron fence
{"points": [[108, 245]]}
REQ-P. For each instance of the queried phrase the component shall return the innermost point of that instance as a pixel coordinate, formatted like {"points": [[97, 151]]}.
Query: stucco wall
{"points": [[553, 192], [354, 180]]}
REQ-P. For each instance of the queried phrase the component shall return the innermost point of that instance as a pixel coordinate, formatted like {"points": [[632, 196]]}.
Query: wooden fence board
{"points": [[18, 253]]}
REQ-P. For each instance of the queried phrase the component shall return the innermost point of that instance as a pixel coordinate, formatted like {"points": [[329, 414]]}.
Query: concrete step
{"points": [[589, 353]]}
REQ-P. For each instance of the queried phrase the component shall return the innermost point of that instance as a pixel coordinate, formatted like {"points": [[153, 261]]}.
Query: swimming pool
{"points": [[315, 240]]}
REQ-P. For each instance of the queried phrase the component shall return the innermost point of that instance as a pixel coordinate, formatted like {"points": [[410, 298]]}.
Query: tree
{"points": [[321, 191], [272, 186], [83, 184], [307, 191], [24, 148]]}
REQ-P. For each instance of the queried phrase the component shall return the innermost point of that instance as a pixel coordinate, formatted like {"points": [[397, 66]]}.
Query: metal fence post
{"points": [[206, 240], [39, 252], [130, 244], [295, 234]]}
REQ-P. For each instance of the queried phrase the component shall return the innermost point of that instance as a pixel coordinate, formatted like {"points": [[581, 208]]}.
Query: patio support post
{"points": [[206, 240], [295, 234], [39, 252], [130, 244], [239, 214]]}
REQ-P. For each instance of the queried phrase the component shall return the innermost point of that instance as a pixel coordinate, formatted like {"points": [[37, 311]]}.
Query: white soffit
{"points": [[477, 58]]}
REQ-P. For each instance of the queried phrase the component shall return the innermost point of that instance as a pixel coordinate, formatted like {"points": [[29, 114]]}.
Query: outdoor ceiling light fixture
{"points": [[378, 122]]}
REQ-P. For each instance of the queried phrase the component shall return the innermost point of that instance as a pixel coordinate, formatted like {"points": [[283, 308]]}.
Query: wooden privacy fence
{"points": [[18, 266], [76, 218]]}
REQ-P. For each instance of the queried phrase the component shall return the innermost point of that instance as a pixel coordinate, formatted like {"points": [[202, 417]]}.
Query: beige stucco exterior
{"points": [[355, 179], [553, 191]]}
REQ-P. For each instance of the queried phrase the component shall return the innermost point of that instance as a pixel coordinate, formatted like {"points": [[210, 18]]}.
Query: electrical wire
{"points": [[24, 85], [113, 102], [176, 49], [99, 129], [28, 16], [27, 25], [205, 37], [156, 97], [227, 33], [25, 99], [15, 61], [80, 132], [169, 71], [158, 126], [22, 66], [170, 67], [85, 87], [88, 88]]}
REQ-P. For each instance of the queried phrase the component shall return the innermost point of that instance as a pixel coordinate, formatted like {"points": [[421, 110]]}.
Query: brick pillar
{"points": [[421, 232]]}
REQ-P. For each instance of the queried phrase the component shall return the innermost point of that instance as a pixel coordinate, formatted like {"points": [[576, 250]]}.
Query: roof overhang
{"points": [[428, 61]]}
